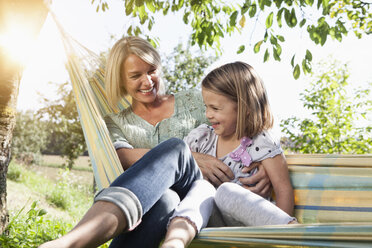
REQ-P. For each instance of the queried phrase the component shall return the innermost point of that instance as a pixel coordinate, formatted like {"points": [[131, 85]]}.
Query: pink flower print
{"points": [[241, 153]]}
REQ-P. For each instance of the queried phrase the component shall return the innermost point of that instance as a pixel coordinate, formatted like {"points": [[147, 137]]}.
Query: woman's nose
{"points": [[148, 80]]}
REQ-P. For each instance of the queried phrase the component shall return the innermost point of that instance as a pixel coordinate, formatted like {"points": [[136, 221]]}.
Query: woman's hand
{"points": [[213, 169], [260, 180]]}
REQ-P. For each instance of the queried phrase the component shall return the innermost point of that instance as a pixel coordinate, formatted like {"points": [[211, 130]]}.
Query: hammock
{"points": [[333, 194]]}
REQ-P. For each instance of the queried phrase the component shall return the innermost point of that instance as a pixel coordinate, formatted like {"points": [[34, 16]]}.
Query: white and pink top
{"points": [[203, 140]]}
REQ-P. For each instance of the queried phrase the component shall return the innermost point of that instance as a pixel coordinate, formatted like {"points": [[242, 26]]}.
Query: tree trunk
{"points": [[30, 14]]}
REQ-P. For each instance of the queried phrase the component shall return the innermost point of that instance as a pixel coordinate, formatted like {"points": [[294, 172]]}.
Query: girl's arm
{"points": [[129, 156], [277, 170]]}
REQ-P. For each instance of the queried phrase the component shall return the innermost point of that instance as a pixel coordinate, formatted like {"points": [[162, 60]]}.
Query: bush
{"points": [[31, 229], [29, 137], [61, 194], [14, 172]]}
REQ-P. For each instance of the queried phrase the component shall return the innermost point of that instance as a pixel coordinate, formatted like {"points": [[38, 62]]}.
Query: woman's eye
{"points": [[152, 72], [134, 76]]}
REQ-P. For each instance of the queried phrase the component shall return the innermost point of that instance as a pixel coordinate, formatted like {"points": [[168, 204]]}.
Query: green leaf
{"points": [[287, 17], [279, 17], [252, 10], [267, 55], [269, 20], [129, 30], [128, 7], [241, 49], [233, 17], [276, 54], [245, 7], [139, 3], [292, 60], [306, 66], [273, 40], [281, 38], [257, 46], [293, 18], [302, 23], [186, 17], [308, 55], [296, 72], [150, 6]]}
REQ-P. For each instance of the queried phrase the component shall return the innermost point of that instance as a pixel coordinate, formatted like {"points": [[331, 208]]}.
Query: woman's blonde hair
{"points": [[240, 82], [114, 65]]}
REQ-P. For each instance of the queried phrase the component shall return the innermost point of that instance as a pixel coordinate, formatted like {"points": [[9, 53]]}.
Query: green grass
{"points": [[59, 166], [73, 198], [34, 226], [55, 161]]}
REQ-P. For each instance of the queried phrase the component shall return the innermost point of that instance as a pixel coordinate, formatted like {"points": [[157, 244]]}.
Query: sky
{"points": [[99, 31]]}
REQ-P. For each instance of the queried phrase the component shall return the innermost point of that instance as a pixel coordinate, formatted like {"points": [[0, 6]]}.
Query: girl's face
{"points": [[141, 80], [221, 113]]}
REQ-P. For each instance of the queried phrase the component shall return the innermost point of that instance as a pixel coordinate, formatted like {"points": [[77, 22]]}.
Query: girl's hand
{"points": [[213, 169], [262, 185]]}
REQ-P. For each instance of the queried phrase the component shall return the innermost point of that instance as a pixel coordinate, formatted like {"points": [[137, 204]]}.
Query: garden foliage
{"points": [[340, 115]]}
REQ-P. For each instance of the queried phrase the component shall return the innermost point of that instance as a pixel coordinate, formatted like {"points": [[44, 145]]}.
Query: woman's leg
{"points": [[103, 221], [170, 164], [247, 207]]}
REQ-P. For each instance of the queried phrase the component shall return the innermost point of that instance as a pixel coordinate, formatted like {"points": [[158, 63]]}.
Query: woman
{"points": [[133, 68]]}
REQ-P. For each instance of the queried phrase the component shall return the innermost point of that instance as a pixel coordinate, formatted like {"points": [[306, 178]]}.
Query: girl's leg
{"points": [[120, 207], [247, 207], [191, 215]]}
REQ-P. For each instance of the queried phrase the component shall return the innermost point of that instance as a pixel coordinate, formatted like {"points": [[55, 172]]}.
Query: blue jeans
{"points": [[169, 165]]}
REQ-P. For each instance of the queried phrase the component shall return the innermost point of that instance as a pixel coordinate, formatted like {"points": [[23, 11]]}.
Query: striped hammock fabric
{"points": [[333, 201], [333, 194]]}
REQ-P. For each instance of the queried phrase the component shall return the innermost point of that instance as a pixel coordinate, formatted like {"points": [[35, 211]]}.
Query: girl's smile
{"points": [[221, 113]]}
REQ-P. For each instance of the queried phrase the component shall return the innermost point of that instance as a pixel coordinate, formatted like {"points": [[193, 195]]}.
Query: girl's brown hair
{"points": [[240, 82]]}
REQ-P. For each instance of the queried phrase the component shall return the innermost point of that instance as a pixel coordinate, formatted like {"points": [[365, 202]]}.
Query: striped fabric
{"points": [[86, 75], [333, 194], [333, 201]]}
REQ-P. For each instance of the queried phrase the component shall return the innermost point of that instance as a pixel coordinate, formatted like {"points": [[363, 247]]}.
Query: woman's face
{"points": [[141, 80]]}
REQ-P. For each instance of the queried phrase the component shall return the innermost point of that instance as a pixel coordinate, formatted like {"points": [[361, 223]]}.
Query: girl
{"points": [[238, 110]]}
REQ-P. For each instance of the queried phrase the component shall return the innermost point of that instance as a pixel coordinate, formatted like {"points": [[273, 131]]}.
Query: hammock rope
{"points": [[86, 74], [330, 190]]}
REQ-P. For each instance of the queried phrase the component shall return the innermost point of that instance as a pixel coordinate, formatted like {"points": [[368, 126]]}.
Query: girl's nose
{"points": [[208, 114]]}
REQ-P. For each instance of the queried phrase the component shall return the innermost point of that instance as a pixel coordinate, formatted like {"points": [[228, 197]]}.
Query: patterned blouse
{"points": [[128, 130], [203, 139]]}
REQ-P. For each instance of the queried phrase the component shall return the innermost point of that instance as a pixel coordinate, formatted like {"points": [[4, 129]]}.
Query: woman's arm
{"points": [[260, 180], [129, 156], [277, 170], [213, 169]]}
